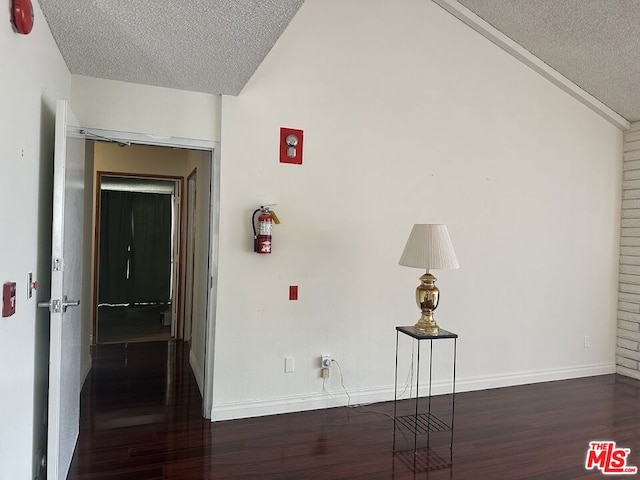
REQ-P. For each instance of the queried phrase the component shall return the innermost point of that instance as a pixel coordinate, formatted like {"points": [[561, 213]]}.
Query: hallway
{"points": [[140, 406], [133, 323]]}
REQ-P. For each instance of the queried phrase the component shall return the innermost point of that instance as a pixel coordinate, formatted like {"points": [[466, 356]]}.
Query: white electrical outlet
{"points": [[587, 341], [325, 360], [289, 364]]}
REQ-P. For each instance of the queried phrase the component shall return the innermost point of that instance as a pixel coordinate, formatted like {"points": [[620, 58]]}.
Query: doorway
{"points": [[142, 161], [138, 228]]}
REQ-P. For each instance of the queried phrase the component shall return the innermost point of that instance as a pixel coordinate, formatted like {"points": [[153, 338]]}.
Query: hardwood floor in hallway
{"points": [[132, 323], [141, 420]]}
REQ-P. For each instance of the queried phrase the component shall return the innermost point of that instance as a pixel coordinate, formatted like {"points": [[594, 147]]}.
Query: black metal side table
{"points": [[419, 420]]}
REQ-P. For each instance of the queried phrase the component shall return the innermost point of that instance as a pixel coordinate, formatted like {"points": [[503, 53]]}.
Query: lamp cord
{"points": [[409, 380], [342, 383]]}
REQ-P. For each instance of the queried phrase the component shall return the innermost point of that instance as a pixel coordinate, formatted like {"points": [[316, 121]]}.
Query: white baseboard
{"points": [[297, 403], [509, 380], [198, 371], [314, 401]]}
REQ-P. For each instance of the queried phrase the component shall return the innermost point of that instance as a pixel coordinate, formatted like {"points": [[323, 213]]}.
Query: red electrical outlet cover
{"points": [[8, 299], [293, 292], [291, 145]]}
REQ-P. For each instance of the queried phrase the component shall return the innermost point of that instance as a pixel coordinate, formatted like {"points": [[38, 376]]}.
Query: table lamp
{"points": [[429, 247]]}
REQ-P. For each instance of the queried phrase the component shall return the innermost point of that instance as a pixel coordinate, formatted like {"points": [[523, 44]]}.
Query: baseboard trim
{"points": [[315, 401], [537, 376], [198, 372]]}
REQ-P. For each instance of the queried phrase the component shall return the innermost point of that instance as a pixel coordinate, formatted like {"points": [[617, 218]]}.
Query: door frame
{"points": [[213, 147], [176, 293], [191, 189]]}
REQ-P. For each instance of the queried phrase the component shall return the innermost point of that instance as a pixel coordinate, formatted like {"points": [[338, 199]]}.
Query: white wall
{"points": [[129, 107], [410, 117], [33, 77]]}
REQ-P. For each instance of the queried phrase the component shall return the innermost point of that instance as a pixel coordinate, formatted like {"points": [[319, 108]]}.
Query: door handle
{"points": [[56, 306], [69, 303]]}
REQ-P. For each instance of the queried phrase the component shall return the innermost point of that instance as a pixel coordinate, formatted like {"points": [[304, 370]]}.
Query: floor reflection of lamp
{"points": [[429, 246]]}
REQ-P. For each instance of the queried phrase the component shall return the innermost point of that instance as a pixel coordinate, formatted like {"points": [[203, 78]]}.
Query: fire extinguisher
{"points": [[262, 237]]}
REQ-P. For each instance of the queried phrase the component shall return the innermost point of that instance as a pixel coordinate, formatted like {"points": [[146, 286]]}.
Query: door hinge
{"points": [[57, 265]]}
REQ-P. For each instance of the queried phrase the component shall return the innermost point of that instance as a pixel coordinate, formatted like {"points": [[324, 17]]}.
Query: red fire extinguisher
{"points": [[262, 238]]}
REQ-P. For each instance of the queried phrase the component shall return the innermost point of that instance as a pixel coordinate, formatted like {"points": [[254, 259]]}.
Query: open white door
{"points": [[66, 279]]}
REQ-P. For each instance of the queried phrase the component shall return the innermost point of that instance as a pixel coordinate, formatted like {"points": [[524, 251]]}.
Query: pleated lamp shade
{"points": [[429, 246]]}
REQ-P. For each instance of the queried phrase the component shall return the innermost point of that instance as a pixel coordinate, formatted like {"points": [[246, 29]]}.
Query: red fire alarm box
{"points": [[291, 145], [22, 16], [8, 299]]}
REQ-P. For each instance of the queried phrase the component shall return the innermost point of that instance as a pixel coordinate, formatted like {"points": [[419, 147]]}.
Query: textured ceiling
{"points": [[210, 46], [594, 43], [215, 46]]}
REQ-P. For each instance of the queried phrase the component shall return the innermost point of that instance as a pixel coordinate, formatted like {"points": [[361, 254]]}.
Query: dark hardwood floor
{"points": [[141, 420], [132, 323]]}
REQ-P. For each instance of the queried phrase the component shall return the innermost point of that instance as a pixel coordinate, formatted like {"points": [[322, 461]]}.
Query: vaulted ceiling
{"points": [[210, 46], [594, 43], [214, 46]]}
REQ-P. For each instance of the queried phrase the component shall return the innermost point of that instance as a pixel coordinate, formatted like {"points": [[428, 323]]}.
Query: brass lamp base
{"points": [[427, 297], [427, 325]]}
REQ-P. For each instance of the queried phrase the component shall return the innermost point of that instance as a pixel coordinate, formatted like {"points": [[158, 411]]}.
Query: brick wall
{"points": [[628, 346]]}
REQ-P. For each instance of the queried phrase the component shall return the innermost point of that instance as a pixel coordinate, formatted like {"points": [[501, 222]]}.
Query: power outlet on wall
{"points": [[587, 341], [289, 364], [325, 360], [325, 363]]}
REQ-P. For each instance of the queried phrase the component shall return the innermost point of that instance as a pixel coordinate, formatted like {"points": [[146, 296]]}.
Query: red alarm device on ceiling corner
{"points": [[22, 16]]}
